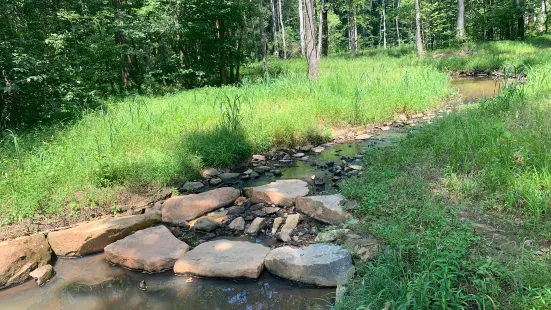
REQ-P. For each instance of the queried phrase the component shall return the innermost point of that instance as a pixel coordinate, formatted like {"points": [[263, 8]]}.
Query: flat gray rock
{"points": [[153, 249], [224, 259], [327, 209], [281, 193], [189, 207], [321, 264]]}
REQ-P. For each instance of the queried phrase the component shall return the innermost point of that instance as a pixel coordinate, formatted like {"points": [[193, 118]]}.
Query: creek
{"points": [[92, 283]]}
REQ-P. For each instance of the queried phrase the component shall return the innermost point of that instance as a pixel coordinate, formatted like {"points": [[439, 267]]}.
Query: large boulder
{"points": [[19, 257], [154, 249], [281, 192], [327, 209], [224, 259], [94, 236], [321, 264], [185, 208]]}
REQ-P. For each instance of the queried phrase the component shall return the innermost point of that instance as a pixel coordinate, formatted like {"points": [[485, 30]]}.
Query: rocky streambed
{"points": [[272, 234]]}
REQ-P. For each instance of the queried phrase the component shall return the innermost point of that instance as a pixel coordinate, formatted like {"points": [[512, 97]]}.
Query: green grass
{"points": [[142, 143], [493, 156]]}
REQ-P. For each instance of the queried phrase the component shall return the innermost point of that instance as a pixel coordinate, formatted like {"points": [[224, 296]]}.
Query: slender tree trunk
{"points": [[282, 29], [325, 35], [543, 17], [352, 28], [384, 23], [418, 38], [520, 20], [461, 18], [274, 26], [301, 26], [398, 26], [311, 53], [320, 27], [262, 36]]}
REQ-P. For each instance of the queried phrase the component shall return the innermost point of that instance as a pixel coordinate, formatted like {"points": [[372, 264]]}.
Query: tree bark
{"points": [[325, 35], [418, 38], [543, 17], [274, 26], [311, 53], [461, 18], [301, 25], [520, 20], [398, 26], [384, 23], [352, 27], [262, 36], [282, 26], [320, 27]]}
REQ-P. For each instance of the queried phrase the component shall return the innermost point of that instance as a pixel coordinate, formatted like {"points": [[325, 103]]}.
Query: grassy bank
{"points": [[143, 143], [433, 200]]}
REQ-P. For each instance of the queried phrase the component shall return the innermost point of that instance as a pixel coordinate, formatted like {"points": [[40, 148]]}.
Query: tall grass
{"points": [[492, 155], [142, 143]]}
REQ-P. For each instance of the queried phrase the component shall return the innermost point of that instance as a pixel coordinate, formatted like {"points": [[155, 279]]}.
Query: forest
{"points": [[60, 58], [275, 154]]}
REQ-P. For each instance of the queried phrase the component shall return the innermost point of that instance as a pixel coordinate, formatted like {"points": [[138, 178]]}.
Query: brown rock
{"points": [[42, 274], [94, 236], [290, 224], [224, 259], [282, 192], [186, 208], [326, 209], [21, 256], [257, 224], [154, 249]]}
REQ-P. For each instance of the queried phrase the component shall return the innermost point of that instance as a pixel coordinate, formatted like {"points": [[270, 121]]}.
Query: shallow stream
{"points": [[91, 283]]}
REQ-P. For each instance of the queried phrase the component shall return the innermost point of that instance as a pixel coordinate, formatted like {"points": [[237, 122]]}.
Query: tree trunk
{"points": [[320, 27], [262, 36], [274, 26], [311, 53], [418, 38], [398, 26], [543, 17], [520, 20], [325, 35], [301, 24], [461, 19], [352, 28], [384, 24], [282, 29]]}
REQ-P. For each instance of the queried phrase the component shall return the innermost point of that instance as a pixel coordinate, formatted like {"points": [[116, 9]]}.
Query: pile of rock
{"points": [[280, 210]]}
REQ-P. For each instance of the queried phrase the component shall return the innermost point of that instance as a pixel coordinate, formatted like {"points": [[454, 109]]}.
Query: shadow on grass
{"points": [[219, 147]]}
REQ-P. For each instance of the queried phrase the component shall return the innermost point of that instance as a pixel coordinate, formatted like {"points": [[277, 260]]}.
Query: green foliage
{"points": [[144, 142], [434, 260]]}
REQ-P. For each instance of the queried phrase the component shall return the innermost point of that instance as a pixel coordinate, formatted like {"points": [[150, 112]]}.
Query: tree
{"points": [[520, 20], [311, 53], [282, 26], [274, 26], [301, 27], [418, 38], [384, 22], [461, 19], [320, 27], [352, 27], [398, 40], [262, 36], [543, 17]]}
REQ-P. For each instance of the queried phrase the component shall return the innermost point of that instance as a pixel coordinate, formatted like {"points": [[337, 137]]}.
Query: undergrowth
{"points": [[490, 156], [148, 142]]}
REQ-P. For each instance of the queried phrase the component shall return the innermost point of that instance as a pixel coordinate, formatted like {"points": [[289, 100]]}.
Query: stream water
{"points": [[91, 283]]}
